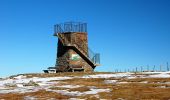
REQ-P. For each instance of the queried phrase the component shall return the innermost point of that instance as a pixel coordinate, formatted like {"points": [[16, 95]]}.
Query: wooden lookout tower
{"points": [[73, 53]]}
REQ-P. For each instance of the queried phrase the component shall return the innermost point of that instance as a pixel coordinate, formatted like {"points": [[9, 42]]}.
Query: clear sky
{"points": [[127, 33]]}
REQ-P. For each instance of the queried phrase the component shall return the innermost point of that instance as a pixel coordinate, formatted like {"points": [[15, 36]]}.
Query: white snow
{"points": [[95, 91], [131, 77], [17, 84], [37, 79], [34, 79], [77, 93], [69, 86], [160, 75], [144, 82], [20, 77], [167, 83], [110, 81], [74, 99], [3, 88], [161, 87], [116, 75], [155, 72], [65, 92], [122, 82], [29, 98]]}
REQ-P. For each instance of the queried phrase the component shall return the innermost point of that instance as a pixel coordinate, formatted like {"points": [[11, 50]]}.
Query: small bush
{"points": [[31, 83]]}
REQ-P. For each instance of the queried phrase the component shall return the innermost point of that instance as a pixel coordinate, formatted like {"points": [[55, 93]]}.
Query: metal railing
{"points": [[70, 27], [94, 57]]}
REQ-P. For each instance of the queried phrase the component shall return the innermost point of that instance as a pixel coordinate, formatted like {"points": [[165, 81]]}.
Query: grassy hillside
{"points": [[90, 86]]}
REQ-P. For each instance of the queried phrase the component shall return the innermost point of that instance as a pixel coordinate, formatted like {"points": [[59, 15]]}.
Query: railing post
{"points": [[70, 27]]}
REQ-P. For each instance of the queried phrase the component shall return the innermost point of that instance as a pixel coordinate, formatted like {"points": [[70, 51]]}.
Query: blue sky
{"points": [[127, 33]]}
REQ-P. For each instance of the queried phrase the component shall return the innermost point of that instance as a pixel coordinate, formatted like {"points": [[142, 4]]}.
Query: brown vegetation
{"points": [[42, 94], [80, 89], [134, 89]]}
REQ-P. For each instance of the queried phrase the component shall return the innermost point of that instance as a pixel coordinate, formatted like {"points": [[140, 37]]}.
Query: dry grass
{"points": [[98, 82], [69, 74], [137, 91], [129, 91], [80, 89], [89, 97], [149, 80], [11, 96], [59, 88], [42, 94], [155, 89]]}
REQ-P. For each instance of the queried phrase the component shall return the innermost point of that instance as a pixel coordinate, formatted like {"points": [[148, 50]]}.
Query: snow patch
{"points": [[167, 72], [122, 82], [95, 91], [69, 86], [161, 75], [74, 99], [144, 82], [20, 77], [110, 81], [19, 85], [29, 98], [116, 75], [77, 93]]}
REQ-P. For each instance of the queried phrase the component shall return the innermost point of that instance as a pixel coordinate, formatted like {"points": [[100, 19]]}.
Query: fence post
{"points": [[148, 68], [167, 66], [160, 68], [154, 68]]}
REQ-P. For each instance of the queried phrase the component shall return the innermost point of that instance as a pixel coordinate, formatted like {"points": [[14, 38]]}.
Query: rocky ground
{"points": [[90, 86]]}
